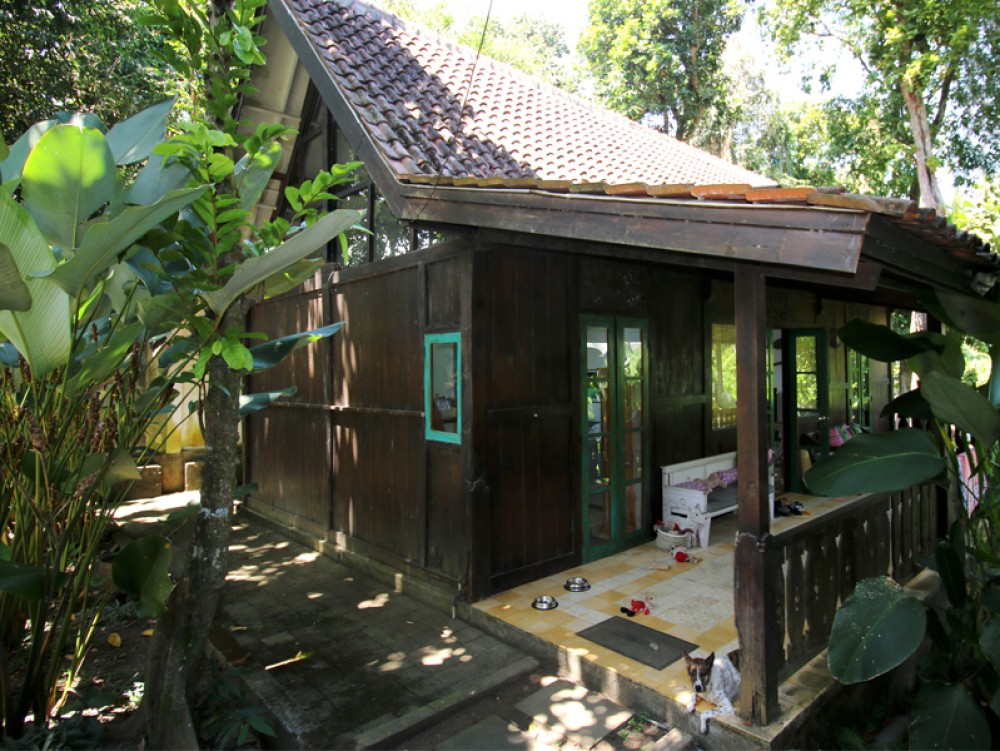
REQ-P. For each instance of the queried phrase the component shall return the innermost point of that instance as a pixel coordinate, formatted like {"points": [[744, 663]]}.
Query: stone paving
{"points": [[343, 661]]}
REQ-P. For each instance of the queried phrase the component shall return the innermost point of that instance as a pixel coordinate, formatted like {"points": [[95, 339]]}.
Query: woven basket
{"points": [[665, 539]]}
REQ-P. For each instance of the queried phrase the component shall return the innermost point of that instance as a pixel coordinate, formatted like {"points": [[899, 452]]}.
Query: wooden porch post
{"points": [[757, 572]]}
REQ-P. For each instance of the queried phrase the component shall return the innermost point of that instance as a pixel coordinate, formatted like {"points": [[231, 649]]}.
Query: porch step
{"points": [[724, 732]]}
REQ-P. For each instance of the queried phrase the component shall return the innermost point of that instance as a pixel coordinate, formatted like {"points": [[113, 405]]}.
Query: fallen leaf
{"points": [[148, 632], [114, 639]]}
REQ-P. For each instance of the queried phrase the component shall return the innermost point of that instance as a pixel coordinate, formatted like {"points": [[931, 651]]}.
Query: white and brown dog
{"points": [[718, 680]]}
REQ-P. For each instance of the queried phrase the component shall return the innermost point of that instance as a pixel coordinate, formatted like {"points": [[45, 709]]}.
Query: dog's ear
{"points": [[688, 659], [709, 660]]}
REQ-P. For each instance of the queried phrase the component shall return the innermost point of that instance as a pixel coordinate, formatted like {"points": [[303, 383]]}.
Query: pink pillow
{"points": [[836, 439]]}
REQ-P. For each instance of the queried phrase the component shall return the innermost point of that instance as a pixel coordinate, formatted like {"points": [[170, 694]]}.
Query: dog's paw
{"points": [[690, 705], [704, 725]]}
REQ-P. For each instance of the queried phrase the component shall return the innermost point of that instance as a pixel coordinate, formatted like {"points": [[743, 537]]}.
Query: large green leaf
{"points": [[253, 271], [950, 566], [877, 462], [989, 642], [25, 582], [103, 242], [269, 354], [133, 140], [911, 404], [250, 403], [102, 363], [880, 342], [877, 629], [944, 355], [946, 717], [955, 403], [155, 181], [142, 569], [13, 164], [68, 176], [252, 175], [41, 334], [291, 278], [14, 294], [972, 315]]}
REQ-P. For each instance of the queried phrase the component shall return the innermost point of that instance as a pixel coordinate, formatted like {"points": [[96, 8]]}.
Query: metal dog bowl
{"points": [[576, 584], [545, 602]]}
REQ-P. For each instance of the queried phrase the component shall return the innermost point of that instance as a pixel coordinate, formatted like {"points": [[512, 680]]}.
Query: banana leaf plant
{"points": [[104, 308], [879, 626]]}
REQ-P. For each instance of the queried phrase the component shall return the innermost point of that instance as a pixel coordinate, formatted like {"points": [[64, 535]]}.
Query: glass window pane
{"points": [[723, 355], [599, 462], [391, 237], [632, 352], [357, 241], [442, 387], [599, 514], [633, 507], [633, 403], [633, 455], [427, 238], [807, 392]]}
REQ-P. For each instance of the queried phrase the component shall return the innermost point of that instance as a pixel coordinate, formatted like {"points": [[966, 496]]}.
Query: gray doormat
{"points": [[642, 643]]}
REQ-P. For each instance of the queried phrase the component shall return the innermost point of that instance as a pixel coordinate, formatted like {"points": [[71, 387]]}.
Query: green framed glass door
{"points": [[806, 404], [615, 441]]}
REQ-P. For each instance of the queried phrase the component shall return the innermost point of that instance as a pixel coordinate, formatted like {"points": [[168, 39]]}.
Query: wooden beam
{"points": [[747, 233], [757, 574]]}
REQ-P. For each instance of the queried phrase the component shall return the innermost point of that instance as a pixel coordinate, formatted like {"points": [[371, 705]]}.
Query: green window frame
{"points": [[443, 387]]}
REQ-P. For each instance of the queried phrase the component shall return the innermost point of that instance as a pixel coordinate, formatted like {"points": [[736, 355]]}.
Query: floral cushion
{"points": [[727, 477], [703, 485]]}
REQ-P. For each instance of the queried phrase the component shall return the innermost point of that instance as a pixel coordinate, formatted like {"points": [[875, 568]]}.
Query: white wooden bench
{"points": [[694, 508]]}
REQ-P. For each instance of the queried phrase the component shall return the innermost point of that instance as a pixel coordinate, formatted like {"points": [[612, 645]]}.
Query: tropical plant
{"points": [[108, 290], [213, 255], [78, 397], [879, 626]]}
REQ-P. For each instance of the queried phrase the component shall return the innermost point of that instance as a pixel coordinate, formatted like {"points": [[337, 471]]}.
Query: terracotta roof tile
{"points": [[482, 118]]}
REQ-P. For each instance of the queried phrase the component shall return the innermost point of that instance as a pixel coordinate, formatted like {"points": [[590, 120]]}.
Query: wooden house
{"points": [[552, 303]]}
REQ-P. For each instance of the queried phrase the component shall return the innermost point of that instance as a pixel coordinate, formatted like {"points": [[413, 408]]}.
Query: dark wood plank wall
{"points": [[530, 362], [346, 456], [446, 513], [378, 428], [288, 445]]}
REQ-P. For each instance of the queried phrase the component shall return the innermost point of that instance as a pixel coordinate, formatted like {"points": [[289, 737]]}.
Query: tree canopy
{"points": [[661, 58], [929, 65], [75, 55]]}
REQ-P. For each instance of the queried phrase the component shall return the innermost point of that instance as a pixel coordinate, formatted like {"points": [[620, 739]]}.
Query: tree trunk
{"points": [[181, 635], [923, 141]]}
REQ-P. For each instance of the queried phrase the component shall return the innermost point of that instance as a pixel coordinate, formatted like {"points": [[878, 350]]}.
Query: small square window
{"points": [[443, 387]]}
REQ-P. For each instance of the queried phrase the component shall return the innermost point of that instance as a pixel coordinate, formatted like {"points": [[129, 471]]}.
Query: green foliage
{"points": [[661, 58], [227, 717], [957, 702], [939, 51], [142, 570], [877, 629], [87, 55]]}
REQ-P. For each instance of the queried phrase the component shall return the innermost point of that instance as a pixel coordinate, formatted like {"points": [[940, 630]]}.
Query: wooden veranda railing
{"points": [[820, 560]]}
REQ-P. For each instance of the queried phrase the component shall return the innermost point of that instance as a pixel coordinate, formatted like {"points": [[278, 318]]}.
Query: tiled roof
{"points": [[435, 110]]}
